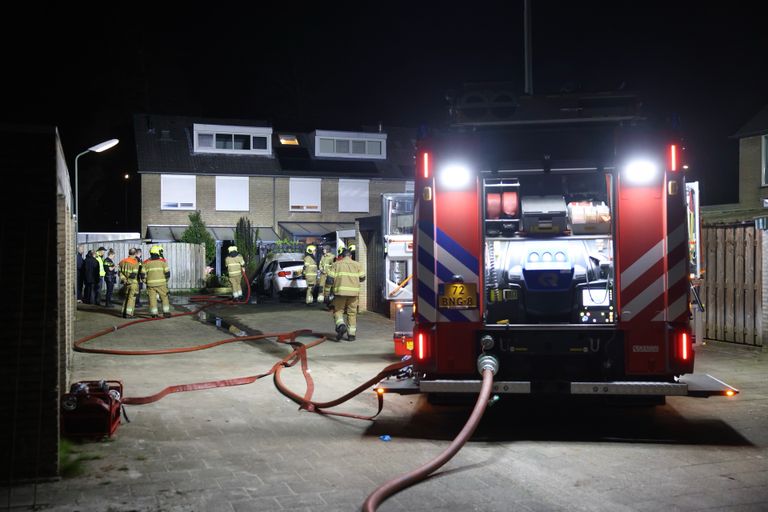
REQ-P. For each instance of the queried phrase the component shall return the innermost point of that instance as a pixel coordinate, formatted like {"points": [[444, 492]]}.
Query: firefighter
{"points": [[310, 272], [156, 273], [352, 248], [345, 276], [235, 264], [325, 265], [128, 269]]}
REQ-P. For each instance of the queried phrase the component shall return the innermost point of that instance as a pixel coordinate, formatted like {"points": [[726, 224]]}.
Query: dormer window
{"points": [[235, 140], [330, 144]]}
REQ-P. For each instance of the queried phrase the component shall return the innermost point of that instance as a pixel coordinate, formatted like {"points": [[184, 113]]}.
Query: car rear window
{"points": [[286, 264]]}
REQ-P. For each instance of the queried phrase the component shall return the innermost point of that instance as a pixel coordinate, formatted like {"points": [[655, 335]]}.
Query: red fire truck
{"points": [[557, 251]]}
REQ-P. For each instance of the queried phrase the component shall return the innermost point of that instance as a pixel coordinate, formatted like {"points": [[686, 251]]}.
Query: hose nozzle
{"points": [[487, 362]]}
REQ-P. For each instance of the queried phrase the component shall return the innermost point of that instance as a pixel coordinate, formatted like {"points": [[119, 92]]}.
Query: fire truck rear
{"points": [[558, 253]]}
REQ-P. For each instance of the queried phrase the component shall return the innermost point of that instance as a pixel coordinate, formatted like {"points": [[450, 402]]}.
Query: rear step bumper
{"points": [[696, 385]]}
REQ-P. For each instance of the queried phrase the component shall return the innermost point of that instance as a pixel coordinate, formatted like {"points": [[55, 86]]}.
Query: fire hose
{"points": [[488, 367]]}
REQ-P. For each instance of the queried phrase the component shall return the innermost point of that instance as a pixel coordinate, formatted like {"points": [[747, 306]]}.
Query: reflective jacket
{"points": [[155, 272], [325, 263], [310, 269], [129, 270], [347, 275], [234, 265], [100, 259], [109, 270]]}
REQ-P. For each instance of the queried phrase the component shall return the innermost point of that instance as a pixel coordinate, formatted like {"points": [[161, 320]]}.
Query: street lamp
{"points": [[126, 177], [98, 148]]}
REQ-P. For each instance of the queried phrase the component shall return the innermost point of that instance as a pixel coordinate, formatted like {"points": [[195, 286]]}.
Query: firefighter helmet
{"points": [[351, 247], [311, 249], [156, 249], [340, 249], [232, 248]]}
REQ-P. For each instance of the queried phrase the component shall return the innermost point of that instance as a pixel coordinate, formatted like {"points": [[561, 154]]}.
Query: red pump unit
{"points": [[91, 409], [560, 248]]}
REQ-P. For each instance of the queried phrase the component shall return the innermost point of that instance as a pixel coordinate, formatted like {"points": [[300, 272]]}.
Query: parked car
{"points": [[280, 275]]}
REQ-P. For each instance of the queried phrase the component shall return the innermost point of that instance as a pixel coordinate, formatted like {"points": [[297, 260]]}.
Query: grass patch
{"points": [[71, 459]]}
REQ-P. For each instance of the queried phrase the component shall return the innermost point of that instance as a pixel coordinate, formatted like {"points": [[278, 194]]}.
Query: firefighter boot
{"points": [[351, 337], [167, 315], [341, 330]]}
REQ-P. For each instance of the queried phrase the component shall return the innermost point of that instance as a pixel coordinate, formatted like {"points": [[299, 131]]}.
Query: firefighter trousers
{"points": [[129, 302], [321, 291], [237, 289], [346, 304], [153, 292]]}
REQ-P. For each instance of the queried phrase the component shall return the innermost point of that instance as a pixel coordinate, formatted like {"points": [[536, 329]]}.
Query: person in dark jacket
{"points": [[79, 260], [110, 277], [91, 278]]}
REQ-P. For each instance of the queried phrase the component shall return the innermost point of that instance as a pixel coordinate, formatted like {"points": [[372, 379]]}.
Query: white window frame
{"points": [[764, 159], [238, 185], [351, 137], [170, 195], [302, 187], [410, 186], [355, 204], [250, 131]]}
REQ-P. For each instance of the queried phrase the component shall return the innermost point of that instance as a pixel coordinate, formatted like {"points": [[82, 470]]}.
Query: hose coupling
{"points": [[487, 362]]}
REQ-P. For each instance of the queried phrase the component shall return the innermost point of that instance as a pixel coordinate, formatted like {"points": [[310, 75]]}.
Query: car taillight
{"points": [[283, 273]]}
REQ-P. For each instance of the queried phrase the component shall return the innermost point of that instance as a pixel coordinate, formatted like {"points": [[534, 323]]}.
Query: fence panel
{"points": [[732, 286], [186, 261]]}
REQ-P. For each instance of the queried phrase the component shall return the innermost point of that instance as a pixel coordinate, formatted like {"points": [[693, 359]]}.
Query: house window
{"points": [[177, 192], [765, 160], [232, 194], [353, 196], [331, 144], [410, 186], [304, 194], [236, 140]]}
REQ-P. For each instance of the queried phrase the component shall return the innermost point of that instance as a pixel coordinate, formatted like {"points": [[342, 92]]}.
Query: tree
{"points": [[247, 242], [196, 233]]}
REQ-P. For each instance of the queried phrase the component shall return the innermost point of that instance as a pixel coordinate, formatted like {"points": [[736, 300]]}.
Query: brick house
{"points": [[753, 174], [291, 184]]}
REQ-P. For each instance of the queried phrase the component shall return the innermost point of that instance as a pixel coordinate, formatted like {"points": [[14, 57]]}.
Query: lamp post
{"points": [[98, 148], [126, 177]]}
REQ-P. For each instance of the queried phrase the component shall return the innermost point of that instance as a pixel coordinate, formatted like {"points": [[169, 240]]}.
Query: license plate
{"points": [[458, 296]]}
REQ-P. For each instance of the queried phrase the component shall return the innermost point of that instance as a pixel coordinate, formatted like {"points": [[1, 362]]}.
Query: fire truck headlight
{"points": [[641, 172], [454, 176]]}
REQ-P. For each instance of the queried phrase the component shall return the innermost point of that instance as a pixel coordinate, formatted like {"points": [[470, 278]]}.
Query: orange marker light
{"points": [[426, 165], [729, 393]]}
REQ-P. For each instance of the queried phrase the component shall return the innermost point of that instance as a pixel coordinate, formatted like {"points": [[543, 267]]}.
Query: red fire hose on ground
{"points": [[488, 369], [487, 365]]}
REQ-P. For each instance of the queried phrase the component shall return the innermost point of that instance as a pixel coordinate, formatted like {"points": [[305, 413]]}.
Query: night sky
{"points": [[339, 66]]}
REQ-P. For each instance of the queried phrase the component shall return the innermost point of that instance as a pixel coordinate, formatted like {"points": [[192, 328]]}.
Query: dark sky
{"points": [[338, 65]]}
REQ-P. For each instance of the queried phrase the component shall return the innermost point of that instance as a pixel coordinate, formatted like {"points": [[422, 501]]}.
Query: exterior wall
{"points": [[750, 168], [330, 201], [35, 228]]}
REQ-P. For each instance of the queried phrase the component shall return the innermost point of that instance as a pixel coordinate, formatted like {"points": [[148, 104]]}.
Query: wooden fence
{"points": [[186, 261], [732, 286]]}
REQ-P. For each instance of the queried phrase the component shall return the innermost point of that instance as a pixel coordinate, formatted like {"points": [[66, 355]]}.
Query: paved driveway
{"points": [[248, 448]]}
